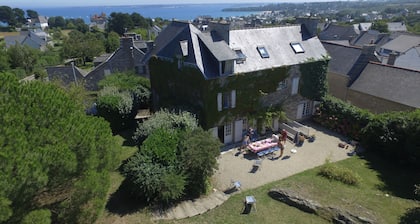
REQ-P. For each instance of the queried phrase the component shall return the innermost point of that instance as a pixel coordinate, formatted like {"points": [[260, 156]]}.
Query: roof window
{"points": [[241, 57], [263, 52], [297, 48]]}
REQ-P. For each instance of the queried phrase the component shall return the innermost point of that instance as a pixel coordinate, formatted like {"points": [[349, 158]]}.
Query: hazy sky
{"points": [[53, 3]]}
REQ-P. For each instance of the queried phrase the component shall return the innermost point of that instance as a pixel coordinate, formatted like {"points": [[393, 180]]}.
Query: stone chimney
{"points": [[221, 28], [369, 49], [126, 42], [310, 24], [391, 58]]}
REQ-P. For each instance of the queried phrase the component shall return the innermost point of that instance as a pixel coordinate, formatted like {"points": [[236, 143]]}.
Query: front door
{"points": [[239, 124]]}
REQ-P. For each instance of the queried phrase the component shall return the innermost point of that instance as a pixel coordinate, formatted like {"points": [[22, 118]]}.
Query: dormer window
{"points": [[263, 52], [297, 48], [241, 57]]}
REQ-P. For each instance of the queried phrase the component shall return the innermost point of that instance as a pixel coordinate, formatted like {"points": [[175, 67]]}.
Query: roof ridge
{"points": [[393, 66]]}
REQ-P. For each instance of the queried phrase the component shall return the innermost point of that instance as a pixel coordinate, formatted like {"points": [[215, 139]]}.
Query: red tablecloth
{"points": [[262, 145]]}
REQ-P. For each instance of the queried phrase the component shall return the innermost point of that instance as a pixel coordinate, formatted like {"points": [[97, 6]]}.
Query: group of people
{"points": [[281, 142]]}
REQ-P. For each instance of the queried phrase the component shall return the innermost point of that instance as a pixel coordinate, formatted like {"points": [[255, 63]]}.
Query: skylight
{"points": [[263, 52], [297, 48], [241, 56]]}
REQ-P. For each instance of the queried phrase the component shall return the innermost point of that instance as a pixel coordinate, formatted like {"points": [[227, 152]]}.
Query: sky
{"points": [[54, 3]]}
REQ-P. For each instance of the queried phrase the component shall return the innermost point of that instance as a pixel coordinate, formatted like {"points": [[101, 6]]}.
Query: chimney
{"points": [[391, 58], [310, 24], [368, 49], [221, 28]]}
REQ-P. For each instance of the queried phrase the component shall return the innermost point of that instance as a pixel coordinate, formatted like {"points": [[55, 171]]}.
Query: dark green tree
{"points": [[32, 13], [19, 16], [82, 46], [7, 15], [165, 119], [199, 150], [53, 156], [23, 56], [4, 58], [112, 42], [380, 26], [120, 23]]}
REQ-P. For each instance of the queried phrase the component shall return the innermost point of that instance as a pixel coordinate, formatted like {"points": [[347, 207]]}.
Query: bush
{"points": [[344, 175]]}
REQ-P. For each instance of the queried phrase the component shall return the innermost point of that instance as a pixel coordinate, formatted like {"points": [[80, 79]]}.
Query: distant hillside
{"points": [[334, 5]]}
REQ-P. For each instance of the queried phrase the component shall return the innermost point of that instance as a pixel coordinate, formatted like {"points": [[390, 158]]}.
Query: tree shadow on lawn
{"points": [[127, 135], [122, 201], [398, 178], [411, 216]]}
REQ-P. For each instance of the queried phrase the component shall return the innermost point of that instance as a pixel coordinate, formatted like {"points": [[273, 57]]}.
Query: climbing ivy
{"points": [[187, 86], [313, 83]]}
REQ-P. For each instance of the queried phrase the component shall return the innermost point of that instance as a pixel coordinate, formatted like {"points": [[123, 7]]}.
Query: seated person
{"points": [[274, 138], [301, 139]]}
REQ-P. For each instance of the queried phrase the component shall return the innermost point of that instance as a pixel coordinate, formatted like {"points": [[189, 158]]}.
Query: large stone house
{"points": [[233, 79]]}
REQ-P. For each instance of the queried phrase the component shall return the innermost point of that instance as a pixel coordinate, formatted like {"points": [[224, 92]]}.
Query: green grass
{"points": [[385, 194]]}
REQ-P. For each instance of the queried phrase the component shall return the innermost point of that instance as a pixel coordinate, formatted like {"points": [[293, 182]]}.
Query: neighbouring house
{"points": [[36, 39], [66, 75], [370, 37], [384, 88], [41, 22], [397, 27], [403, 51], [345, 65], [336, 32], [98, 21], [130, 56], [233, 79]]}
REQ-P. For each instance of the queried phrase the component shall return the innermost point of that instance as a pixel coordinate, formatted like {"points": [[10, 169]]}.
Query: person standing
{"points": [[245, 142], [281, 147], [283, 136]]}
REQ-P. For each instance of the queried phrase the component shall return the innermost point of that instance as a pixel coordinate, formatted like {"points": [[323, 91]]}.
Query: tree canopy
{"points": [[54, 159], [176, 158]]}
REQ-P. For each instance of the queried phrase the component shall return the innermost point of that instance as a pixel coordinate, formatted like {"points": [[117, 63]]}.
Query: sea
{"points": [[170, 12]]}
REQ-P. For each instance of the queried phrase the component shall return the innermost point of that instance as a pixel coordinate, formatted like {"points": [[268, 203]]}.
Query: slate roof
{"points": [[338, 32], [390, 83], [402, 43], [397, 26], [410, 59], [370, 37], [64, 74], [276, 41], [205, 47], [342, 57]]}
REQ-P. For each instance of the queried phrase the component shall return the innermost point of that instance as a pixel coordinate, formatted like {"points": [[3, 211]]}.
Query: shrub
{"points": [[344, 175]]}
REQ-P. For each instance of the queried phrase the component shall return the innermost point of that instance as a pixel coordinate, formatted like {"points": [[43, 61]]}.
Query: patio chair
{"points": [[236, 185], [250, 203], [258, 164]]}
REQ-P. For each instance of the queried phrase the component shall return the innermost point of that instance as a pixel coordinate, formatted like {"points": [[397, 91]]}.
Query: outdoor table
{"points": [[262, 145]]}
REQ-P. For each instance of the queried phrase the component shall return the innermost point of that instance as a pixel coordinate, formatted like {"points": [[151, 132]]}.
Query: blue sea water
{"points": [[176, 11]]}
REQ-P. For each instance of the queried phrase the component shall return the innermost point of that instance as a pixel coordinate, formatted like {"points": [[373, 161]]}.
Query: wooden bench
{"points": [[291, 131]]}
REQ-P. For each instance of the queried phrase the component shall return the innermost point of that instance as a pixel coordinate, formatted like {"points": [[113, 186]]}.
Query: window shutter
{"points": [[233, 94], [295, 85], [219, 101]]}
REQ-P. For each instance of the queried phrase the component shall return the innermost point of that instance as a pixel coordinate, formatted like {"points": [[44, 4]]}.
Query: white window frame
{"points": [[226, 100], [295, 85], [282, 85], [228, 129]]}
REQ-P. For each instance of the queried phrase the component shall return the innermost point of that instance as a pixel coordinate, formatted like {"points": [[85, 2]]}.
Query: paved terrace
{"points": [[239, 167]]}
